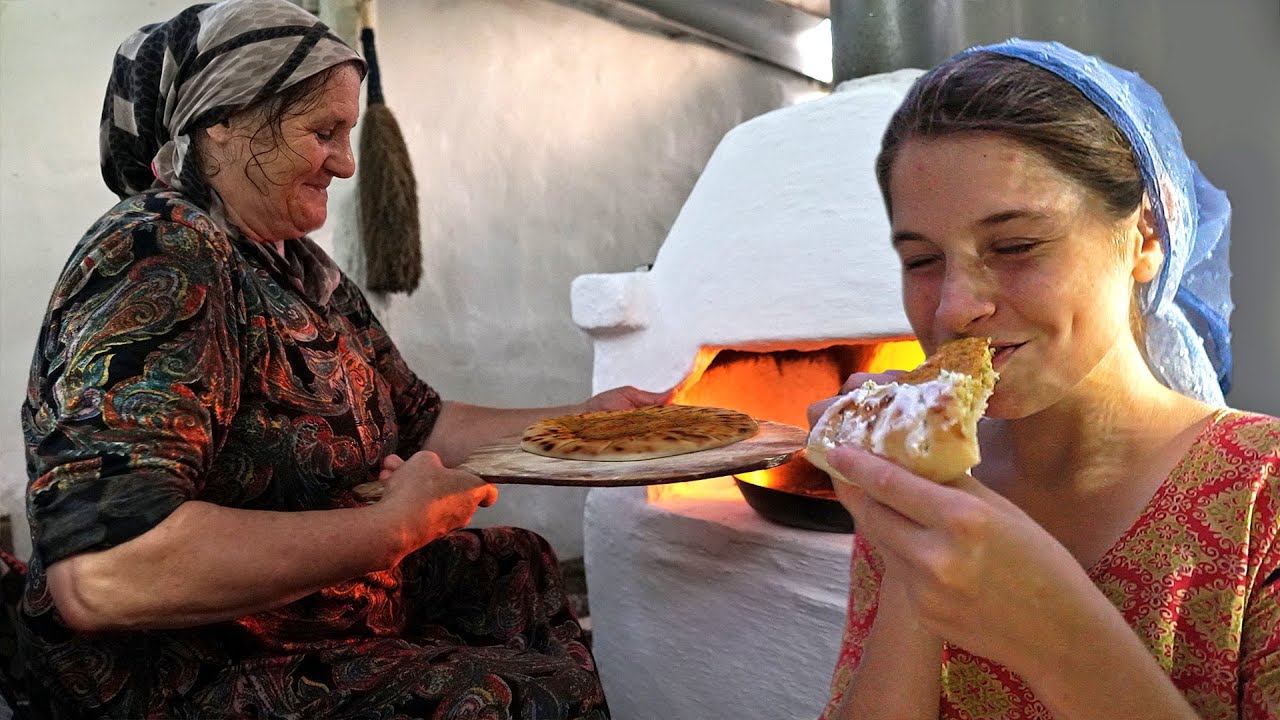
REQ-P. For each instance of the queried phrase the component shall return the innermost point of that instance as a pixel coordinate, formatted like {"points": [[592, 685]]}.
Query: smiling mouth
{"points": [[1000, 353]]}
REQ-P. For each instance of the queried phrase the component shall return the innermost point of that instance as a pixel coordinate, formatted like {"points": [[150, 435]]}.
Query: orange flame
{"points": [[895, 355]]}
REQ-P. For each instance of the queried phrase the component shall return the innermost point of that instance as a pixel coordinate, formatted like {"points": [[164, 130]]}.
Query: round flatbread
{"points": [[640, 434]]}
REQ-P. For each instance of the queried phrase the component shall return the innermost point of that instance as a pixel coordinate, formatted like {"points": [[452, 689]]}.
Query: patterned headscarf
{"points": [[173, 78], [1188, 305], [170, 79]]}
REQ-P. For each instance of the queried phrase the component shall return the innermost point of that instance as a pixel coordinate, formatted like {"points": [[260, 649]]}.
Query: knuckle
{"points": [[938, 567], [426, 456], [853, 381], [857, 380], [949, 576], [881, 474], [968, 520]]}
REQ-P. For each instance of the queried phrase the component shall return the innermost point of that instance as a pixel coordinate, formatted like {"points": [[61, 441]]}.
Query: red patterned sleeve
{"points": [[865, 572], [1260, 634]]}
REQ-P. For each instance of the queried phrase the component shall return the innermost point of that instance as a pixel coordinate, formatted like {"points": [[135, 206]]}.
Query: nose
{"points": [[966, 298], [342, 161]]}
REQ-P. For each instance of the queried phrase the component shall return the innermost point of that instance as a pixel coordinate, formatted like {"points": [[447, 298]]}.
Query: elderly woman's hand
{"points": [[977, 570], [436, 499], [625, 398]]}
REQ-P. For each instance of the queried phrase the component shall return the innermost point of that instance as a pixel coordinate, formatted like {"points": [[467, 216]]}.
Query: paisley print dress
{"points": [[1197, 577], [179, 363]]}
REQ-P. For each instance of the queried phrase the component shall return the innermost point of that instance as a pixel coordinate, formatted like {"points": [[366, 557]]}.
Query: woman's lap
{"points": [[488, 633], [399, 678], [488, 586]]}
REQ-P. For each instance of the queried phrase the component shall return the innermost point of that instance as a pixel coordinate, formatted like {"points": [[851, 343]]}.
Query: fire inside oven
{"points": [[779, 384]]}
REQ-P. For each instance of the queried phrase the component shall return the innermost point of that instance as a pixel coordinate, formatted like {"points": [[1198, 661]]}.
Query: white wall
{"points": [[547, 143]]}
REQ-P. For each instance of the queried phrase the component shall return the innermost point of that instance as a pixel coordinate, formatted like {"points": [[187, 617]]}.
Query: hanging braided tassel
{"points": [[389, 229]]}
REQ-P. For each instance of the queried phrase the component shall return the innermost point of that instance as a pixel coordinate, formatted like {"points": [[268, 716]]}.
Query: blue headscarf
{"points": [[1188, 305]]}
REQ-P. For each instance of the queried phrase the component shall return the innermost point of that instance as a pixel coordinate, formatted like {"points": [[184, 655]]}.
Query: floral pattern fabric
{"points": [[1197, 577], [178, 363]]}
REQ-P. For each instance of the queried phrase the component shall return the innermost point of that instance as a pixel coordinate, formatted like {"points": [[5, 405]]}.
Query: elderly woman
{"points": [[1117, 552], [207, 390]]}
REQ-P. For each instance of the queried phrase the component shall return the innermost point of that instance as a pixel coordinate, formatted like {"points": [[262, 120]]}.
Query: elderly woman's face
{"points": [[279, 190], [994, 241]]}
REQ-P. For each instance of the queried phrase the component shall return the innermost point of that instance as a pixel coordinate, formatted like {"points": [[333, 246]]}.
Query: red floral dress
{"points": [[1197, 577]]}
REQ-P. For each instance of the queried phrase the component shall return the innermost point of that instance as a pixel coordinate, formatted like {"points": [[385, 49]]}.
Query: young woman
{"points": [[1117, 552]]}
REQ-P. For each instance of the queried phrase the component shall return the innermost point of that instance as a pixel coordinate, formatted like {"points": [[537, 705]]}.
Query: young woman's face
{"points": [[278, 190], [995, 242]]}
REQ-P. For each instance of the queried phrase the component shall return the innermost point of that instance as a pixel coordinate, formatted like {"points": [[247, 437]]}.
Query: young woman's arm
{"points": [[981, 574], [897, 673]]}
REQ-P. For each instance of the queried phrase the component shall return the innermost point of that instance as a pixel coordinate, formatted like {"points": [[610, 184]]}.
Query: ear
{"points": [[220, 132], [1148, 251]]}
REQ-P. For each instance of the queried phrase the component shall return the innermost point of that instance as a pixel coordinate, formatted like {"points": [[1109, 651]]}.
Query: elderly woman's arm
{"points": [[205, 563], [462, 428], [451, 429]]}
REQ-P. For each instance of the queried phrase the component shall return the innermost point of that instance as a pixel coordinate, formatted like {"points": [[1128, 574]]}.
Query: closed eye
{"points": [[324, 132], [1016, 248], [918, 263]]}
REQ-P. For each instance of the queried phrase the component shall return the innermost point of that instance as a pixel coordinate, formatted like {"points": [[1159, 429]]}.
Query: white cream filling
{"points": [[908, 409]]}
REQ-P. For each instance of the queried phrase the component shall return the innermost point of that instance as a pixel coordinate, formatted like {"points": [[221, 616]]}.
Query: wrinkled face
{"points": [[277, 188], [994, 241]]}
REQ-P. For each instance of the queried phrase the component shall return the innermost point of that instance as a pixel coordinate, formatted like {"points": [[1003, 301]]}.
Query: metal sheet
{"points": [[873, 36], [781, 33]]}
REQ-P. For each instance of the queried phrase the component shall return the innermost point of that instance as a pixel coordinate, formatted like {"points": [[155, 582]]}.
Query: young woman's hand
{"points": [[977, 570], [432, 499]]}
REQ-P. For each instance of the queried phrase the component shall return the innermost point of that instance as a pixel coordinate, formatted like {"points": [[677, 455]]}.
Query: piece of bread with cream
{"points": [[926, 420]]}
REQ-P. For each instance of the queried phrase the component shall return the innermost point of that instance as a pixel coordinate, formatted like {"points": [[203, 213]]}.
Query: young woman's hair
{"points": [[989, 92]]}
